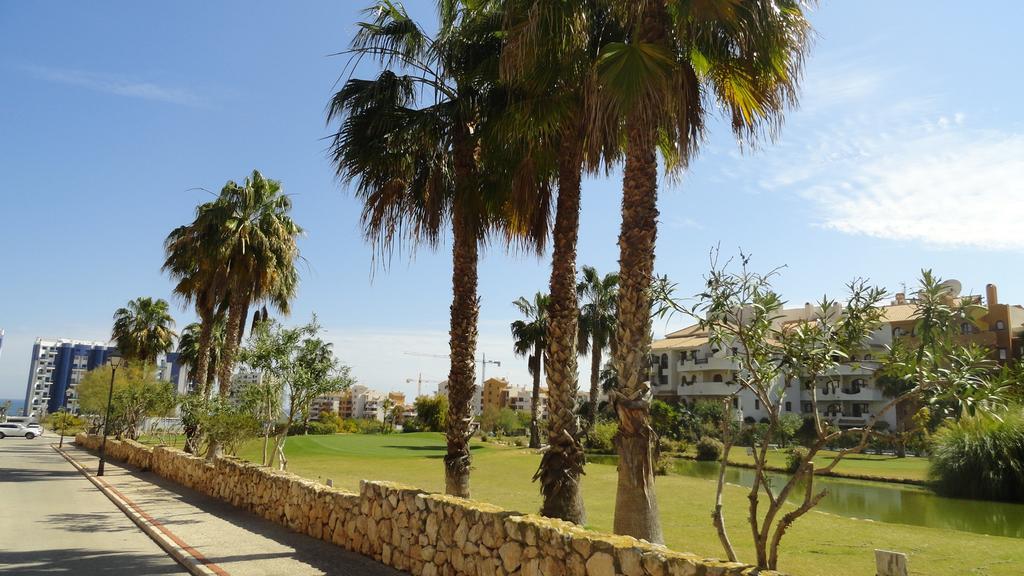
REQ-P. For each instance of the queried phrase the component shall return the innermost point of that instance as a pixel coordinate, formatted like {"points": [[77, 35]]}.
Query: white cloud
{"points": [[117, 85], [937, 183]]}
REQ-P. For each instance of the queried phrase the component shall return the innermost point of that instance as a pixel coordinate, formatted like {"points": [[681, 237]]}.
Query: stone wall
{"points": [[412, 530]]}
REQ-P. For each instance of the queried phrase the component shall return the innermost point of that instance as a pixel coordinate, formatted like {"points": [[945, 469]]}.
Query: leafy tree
{"points": [[144, 329], [431, 412], [530, 339], [980, 456], [597, 324], [137, 394], [740, 311], [665, 420], [300, 365]]}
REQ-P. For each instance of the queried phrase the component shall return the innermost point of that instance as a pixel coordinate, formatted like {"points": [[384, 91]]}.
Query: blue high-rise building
{"points": [[56, 369]]}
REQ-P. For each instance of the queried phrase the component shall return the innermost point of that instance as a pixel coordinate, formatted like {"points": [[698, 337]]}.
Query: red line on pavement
{"points": [[174, 537]]}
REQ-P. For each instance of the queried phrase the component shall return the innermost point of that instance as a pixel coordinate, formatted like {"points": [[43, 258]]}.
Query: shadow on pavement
{"points": [[82, 561]]}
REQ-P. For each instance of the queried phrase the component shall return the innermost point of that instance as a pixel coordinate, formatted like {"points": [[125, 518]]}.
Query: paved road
{"points": [[54, 521]]}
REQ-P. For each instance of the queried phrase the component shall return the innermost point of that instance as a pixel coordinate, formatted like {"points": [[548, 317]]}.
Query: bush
{"points": [[980, 457], [663, 465], [709, 449], [316, 427], [668, 445], [796, 456], [602, 437]]}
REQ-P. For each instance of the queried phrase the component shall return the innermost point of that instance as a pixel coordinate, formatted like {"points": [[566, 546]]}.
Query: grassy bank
{"points": [[818, 544]]}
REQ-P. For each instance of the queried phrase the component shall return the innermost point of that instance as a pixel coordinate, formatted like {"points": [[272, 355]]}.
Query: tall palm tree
{"points": [[193, 260], [144, 329], [530, 339], [546, 61], [257, 255], [744, 55], [597, 325], [409, 141]]}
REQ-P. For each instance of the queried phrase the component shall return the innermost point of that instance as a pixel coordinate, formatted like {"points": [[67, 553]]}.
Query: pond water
{"points": [[880, 501]]}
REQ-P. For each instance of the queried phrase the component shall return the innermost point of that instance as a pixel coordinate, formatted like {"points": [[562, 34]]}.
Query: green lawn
{"points": [[879, 466], [818, 544]]}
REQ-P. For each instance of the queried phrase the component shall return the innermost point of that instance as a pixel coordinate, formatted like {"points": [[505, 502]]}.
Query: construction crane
{"points": [[419, 383], [483, 362]]}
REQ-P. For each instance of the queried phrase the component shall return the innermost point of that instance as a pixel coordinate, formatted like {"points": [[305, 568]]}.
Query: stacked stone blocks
{"points": [[415, 531]]}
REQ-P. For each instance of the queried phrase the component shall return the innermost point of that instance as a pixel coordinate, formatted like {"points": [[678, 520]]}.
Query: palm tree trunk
{"points": [[236, 316], [595, 384], [461, 378], [198, 376], [203, 357], [535, 398], [636, 507], [562, 464], [225, 366]]}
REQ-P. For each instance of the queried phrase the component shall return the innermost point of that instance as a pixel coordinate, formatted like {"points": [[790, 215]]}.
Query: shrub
{"points": [[663, 465], [668, 445], [796, 456], [316, 427], [602, 437], [709, 449], [980, 457]]}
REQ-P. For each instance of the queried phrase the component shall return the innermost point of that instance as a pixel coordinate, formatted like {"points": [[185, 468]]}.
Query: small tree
{"points": [[137, 394], [431, 412], [297, 363], [743, 314]]}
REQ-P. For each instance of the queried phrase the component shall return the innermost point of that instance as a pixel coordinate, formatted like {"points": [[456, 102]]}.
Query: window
{"points": [[757, 404], [806, 407], [735, 403], [664, 360], [867, 357], [789, 406], [716, 378], [965, 328], [1002, 353], [1000, 325]]}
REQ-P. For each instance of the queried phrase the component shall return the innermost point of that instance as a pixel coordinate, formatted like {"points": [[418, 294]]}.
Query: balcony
{"points": [[706, 363]]}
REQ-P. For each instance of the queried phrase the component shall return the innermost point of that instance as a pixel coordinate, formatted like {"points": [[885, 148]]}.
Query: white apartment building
{"points": [[688, 368], [520, 399]]}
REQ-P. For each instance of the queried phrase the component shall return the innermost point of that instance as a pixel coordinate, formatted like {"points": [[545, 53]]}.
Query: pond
{"points": [[880, 501]]}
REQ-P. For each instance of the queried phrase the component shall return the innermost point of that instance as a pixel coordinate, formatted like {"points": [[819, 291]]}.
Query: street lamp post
{"points": [[115, 361]]}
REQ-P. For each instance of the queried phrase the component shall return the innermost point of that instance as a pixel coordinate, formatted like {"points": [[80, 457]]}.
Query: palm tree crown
{"points": [[256, 255], [144, 329]]}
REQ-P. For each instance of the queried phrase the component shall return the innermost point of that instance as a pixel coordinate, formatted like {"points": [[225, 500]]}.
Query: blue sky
{"points": [[907, 152]]}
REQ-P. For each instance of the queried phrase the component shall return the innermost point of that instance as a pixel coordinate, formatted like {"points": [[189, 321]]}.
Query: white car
{"points": [[14, 429]]}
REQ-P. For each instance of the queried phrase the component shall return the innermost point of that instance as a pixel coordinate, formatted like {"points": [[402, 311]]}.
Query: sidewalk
{"points": [[223, 539]]}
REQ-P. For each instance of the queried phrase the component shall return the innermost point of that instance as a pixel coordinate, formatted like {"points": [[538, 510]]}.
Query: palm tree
{"points": [[597, 325], [144, 329], [530, 337], [192, 259], [257, 254], [546, 60], [189, 350], [409, 141], [677, 56]]}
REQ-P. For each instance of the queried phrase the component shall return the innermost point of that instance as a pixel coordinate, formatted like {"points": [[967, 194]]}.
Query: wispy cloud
{"points": [[938, 181], [117, 85]]}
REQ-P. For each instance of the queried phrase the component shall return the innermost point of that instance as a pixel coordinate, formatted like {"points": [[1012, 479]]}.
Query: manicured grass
{"points": [[881, 466], [818, 544]]}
